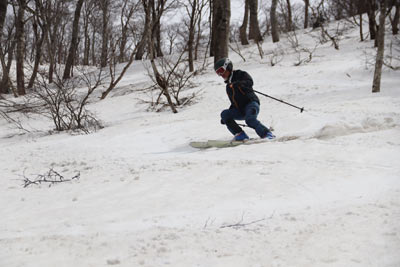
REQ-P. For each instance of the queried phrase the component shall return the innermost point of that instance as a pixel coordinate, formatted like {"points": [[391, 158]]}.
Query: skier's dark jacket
{"points": [[240, 90]]}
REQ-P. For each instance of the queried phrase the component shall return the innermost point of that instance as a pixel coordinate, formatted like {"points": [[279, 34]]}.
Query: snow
{"points": [[327, 196]]}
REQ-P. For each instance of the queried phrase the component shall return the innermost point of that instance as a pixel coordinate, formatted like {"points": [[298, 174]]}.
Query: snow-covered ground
{"points": [[328, 196]]}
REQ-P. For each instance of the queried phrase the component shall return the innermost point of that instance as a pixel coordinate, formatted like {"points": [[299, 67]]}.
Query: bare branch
{"points": [[51, 177], [242, 224]]}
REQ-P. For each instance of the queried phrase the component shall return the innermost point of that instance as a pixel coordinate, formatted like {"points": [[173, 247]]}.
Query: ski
{"points": [[226, 143]]}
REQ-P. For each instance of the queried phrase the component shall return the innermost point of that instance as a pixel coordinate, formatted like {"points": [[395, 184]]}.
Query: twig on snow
{"points": [[51, 177], [241, 224]]}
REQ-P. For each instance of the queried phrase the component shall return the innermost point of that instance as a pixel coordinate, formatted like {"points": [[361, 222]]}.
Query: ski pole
{"points": [[301, 109]]}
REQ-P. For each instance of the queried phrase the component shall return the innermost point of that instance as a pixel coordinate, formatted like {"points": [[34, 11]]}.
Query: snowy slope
{"points": [[328, 197]]}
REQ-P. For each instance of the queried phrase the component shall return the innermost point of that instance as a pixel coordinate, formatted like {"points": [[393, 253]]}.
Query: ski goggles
{"points": [[220, 71]]}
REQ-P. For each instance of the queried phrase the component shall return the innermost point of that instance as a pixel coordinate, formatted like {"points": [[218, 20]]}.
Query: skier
{"points": [[245, 105]]}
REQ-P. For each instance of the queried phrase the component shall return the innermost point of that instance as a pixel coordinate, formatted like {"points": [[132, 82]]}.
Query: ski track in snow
{"points": [[325, 193]]}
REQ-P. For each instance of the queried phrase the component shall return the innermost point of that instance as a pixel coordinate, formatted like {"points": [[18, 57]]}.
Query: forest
{"points": [[46, 43]]}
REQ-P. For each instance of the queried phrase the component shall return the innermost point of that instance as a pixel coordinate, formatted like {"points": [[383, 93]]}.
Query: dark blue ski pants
{"points": [[228, 117]]}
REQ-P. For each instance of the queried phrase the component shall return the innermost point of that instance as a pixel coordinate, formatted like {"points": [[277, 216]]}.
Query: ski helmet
{"points": [[222, 65]]}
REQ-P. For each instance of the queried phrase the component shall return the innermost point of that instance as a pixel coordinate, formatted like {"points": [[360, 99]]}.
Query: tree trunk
{"points": [[105, 32], [20, 39], [198, 31], [4, 87], [74, 41], [158, 39], [396, 19], [376, 86], [274, 22], [361, 28], [254, 31], [290, 17], [6, 84], [38, 56], [51, 58], [221, 21], [94, 59], [157, 9], [86, 17], [3, 12], [63, 50], [54, 24], [143, 42], [127, 14], [360, 14], [148, 6], [243, 28], [113, 82], [306, 9], [212, 32], [86, 49], [371, 7], [192, 25]]}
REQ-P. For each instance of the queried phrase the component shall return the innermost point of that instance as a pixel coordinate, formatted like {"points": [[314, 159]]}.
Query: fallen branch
{"points": [[241, 224], [51, 177]]}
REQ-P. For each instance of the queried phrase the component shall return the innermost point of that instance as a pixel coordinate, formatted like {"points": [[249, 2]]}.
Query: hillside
{"points": [[328, 196]]}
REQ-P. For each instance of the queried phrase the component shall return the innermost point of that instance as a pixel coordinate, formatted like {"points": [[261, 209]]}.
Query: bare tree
{"points": [[274, 22], [7, 48], [74, 41], [3, 12], [191, 9], [344, 9], [254, 30], [158, 9], [304, 53], [220, 28], [200, 31], [114, 79], [396, 19], [376, 86], [149, 7], [194, 9], [360, 12], [289, 20], [306, 12], [57, 16], [104, 6], [141, 46], [319, 16], [128, 9], [371, 7], [114, 58], [211, 25], [88, 7], [175, 73], [39, 20], [61, 102], [243, 28], [172, 34], [20, 39]]}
